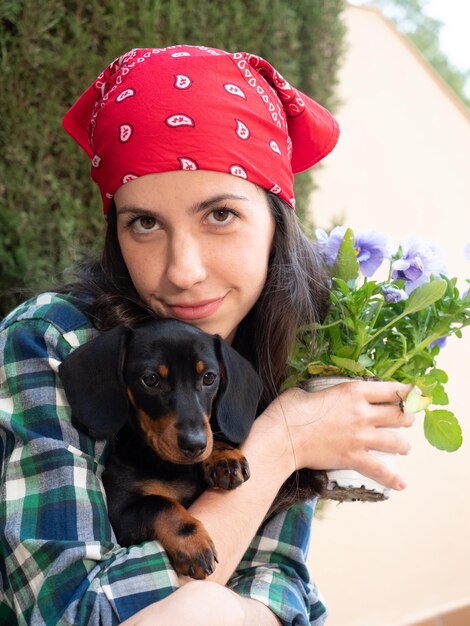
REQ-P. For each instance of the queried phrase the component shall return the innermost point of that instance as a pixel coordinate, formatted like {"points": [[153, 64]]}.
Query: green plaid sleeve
{"points": [[60, 563], [274, 569]]}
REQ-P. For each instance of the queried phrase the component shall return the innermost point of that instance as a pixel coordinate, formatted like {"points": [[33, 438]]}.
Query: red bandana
{"points": [[192, 107]]}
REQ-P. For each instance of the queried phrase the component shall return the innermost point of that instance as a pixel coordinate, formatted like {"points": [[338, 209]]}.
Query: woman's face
{"points": [[196, 245]]}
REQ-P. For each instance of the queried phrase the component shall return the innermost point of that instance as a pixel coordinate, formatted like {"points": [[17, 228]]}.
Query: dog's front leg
{"points": [[226, 467], [183, 537]]}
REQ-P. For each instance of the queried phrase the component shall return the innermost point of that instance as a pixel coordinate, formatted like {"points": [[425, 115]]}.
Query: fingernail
{"points": [[401, 485]]}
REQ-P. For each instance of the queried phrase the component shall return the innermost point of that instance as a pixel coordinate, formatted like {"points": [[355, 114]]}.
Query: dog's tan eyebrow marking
{"points": [[200, 367], [163, 371]]}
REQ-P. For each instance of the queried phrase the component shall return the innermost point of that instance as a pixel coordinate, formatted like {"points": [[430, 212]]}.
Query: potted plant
{"points": [[388, 328]]}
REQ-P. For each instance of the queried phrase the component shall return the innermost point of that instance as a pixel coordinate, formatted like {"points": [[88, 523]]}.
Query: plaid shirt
{"points": [[60, 562]]}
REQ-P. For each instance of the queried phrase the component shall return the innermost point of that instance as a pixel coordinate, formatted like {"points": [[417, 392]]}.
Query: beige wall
{"points": [[402, 167]]}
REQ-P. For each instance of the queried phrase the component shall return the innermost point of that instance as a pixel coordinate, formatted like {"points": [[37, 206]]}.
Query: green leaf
{"points": [[291, 381], [345, 352], [439, 396], [320, 369], [442, 430], [342, 285], [347, 364], [425, 295], [346, 266], [439, 375], [365, 360], [426, 385]]}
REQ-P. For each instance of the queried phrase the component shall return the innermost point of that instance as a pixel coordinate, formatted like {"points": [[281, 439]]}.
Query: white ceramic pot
{"points": [[346, 484]]}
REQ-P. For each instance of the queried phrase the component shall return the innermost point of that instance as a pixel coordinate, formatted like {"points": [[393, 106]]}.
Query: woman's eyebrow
{"points": [[195, 208], [206, 204], [131, 208]]}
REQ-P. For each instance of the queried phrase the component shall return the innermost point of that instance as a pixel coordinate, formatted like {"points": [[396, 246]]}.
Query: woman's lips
{"points": [[195, 310]]}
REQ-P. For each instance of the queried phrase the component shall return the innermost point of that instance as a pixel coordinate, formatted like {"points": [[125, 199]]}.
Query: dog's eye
{"points": [[209, 378], [150, 380]]}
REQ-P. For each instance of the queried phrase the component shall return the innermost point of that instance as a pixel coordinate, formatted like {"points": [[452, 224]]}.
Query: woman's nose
{"points": [[185, 266]]}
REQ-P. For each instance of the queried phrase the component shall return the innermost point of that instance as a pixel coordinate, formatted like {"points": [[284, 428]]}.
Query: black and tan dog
{"points": [[171, 397]]}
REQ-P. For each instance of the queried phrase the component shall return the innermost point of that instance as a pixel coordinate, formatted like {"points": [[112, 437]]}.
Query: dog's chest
{"points": [[185, 489]]}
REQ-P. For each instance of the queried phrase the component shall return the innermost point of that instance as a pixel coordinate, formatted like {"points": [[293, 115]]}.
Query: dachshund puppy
{"points": [[173, 399]]}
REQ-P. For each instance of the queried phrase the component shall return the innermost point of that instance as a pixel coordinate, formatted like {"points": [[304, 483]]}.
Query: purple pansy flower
{"points": [[371, 248], [419, 261], [441, 342], [393, 294], [329, 243]]}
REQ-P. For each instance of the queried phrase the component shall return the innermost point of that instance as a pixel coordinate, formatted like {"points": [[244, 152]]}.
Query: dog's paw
{"points": [[192, 551], [226, 468]]}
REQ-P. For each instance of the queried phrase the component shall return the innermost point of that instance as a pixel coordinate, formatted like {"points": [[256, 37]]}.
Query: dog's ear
{"points": [[93, 382], [239, 393]]}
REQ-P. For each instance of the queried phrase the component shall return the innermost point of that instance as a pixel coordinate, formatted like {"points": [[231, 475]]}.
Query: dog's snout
{"points": [[192, 444]]}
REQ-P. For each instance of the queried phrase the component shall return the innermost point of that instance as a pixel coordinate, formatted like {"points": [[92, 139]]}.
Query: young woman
{"points": [[194, 151]]}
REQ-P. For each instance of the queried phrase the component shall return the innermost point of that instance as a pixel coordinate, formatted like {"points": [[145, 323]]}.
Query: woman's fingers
{"points": [[377, 392], [386, 440], [382, 440], [390, 415], [385, 400], [374, 469]]}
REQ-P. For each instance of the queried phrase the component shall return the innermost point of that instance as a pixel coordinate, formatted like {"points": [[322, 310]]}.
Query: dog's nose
{"points": [[192, 444]]}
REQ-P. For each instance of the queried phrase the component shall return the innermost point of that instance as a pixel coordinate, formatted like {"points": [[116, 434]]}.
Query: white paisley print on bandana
{"points": [[194, 107]]}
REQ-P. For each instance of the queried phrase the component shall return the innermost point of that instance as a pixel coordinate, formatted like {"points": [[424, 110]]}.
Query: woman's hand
{"points": [[335, 428]]}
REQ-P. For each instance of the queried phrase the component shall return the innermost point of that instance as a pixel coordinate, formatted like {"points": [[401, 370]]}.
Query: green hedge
{"points": [[51, 50]]}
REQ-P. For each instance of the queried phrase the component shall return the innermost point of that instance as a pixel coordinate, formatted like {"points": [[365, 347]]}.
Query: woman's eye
{"points": [[221, 216], [209, 379], [144, 224], [147, 222]]}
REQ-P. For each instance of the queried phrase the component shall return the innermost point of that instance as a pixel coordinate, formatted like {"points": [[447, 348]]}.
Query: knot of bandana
{"points": [[193, 107]]}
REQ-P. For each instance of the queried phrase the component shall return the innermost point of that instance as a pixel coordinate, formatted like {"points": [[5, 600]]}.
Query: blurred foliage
{"points": [[50, 51]]}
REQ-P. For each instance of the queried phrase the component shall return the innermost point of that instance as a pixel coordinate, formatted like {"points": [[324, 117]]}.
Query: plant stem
{"points": [[422, 345], [379, 332]]}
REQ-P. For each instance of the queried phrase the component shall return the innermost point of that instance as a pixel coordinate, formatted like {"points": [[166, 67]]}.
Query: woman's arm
{"points": [[203, 603], [334, 428], [324, 430], [274, 570]]}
